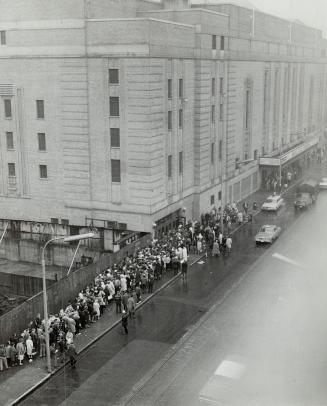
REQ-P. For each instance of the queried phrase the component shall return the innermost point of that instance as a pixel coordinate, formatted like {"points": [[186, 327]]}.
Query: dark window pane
{"points": [[7, 103], [221, 111], [222, 43], [180, 89], [3, 37], [213, 113], [115, 170], [221, 85], [180, 118], [170, 120], [212, 199], [40, 108], [212, 152], [11, 169], [213, 86], [181, 162], [219, 195], [41, 141], [115, 137], [43, 171], [170, 88], [170, 158], [214, 42], [220, 149], [114, 106], [113, 76], [10, 140]]}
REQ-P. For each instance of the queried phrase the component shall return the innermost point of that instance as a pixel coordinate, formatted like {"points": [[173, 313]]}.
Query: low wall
{"points": [[59, 293], [21, 285]]}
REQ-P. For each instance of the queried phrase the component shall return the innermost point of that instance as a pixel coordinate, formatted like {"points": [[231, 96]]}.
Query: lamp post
{"points": [[77, 237]]}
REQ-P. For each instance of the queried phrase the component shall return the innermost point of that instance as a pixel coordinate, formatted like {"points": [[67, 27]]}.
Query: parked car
{"points": [[303, 201], [323, 183], [267, 234], [310, 186], [272, 203]]}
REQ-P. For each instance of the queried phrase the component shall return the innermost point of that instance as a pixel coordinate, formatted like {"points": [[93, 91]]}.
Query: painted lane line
{"points": [[287, 260], [230, 369]]}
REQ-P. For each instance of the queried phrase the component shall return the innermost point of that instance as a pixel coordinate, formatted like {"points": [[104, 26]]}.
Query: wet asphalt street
{"points": [[247, 304]]}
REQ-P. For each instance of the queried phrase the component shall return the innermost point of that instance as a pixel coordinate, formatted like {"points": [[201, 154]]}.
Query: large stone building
{"points": [[137, 112]]}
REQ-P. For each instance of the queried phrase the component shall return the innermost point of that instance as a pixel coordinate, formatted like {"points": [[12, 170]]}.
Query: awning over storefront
{"points": [[291, 154]]}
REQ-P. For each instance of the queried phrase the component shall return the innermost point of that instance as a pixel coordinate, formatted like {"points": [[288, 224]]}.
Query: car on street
{"points": [[323, 183], [303, 201], [267, 234], [272, 203]]}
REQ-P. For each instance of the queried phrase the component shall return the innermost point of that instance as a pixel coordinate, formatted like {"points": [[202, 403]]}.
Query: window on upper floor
{"points": [[7, 106], [115, 171], [181, 162], [170, 120], [11, 169], [170, 168], [170, 88], [213, 113], [3, 39], [221, 86], [115, 137], [180, 89], [41, 141], [40, 108], [212, 199], [43, 171], [220, 152], [180, 118], [221, 111], [212, 152], [10, 140], [222, 43], [113, 76], [114, 106], [213, 87], [214, 41]]}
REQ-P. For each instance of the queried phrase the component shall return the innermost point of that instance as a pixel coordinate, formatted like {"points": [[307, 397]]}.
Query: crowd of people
{"points": [[119, 288]]}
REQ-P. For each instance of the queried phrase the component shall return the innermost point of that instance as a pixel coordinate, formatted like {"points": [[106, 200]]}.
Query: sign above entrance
{"points": [[287, 156]]}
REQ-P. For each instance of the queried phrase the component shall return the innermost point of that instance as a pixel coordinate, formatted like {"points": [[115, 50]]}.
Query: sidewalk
{"points": [[17, 382]]}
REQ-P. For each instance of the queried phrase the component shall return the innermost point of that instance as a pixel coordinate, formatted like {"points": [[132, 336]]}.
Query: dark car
{"points": [[303, 201]]}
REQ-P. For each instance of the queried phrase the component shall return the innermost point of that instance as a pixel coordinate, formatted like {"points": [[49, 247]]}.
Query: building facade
{"points": [[129, 113]]}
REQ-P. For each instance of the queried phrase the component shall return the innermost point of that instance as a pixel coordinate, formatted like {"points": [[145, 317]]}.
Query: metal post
{"points": [[45, 310]]}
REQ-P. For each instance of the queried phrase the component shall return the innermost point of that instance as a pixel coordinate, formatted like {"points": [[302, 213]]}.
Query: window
{"points": [[180, 89], [3, 38], [114, 76], [54, 220], [170, 159], [170, 120], [7, 105], [10, 140], [221, 86], [214, 41], [115, 137], [212, 152], [43, 171], [181, 162], [180, 118], [220, 149], [11, 169], [255, 154], [221, 111], [222, 43], [41, 141], [213, 87], [114, 106], [170, 89], [219, 195], [212, 199], [115, 170], [213, 113], [40, 108]]}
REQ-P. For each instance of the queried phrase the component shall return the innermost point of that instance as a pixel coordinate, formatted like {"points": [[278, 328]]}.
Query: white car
{"points": [[323, 183], [272, 203], [267, 234]]}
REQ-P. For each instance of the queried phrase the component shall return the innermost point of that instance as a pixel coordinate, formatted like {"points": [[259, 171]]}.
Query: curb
{"points": [[94, 340]]}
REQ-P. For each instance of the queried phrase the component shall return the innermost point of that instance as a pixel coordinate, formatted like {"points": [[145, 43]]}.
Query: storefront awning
{"points": [[287, 156]]}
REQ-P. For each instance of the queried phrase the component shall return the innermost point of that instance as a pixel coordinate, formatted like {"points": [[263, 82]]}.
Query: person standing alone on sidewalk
{"points": [[124, 321], [229, 244]]}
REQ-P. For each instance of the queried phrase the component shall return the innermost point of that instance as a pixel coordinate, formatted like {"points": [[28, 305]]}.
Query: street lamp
{"points": [[77, 237]]}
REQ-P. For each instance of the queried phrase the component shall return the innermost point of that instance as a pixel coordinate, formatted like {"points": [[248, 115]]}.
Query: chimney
{"points": [[175, 4]]}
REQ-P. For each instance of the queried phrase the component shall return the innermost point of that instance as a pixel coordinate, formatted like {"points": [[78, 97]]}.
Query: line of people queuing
{"points": [[118, 288]]}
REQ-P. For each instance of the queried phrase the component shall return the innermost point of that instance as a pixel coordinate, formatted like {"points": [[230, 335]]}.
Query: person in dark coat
{"points": [[72, 354], [124, 321]]}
